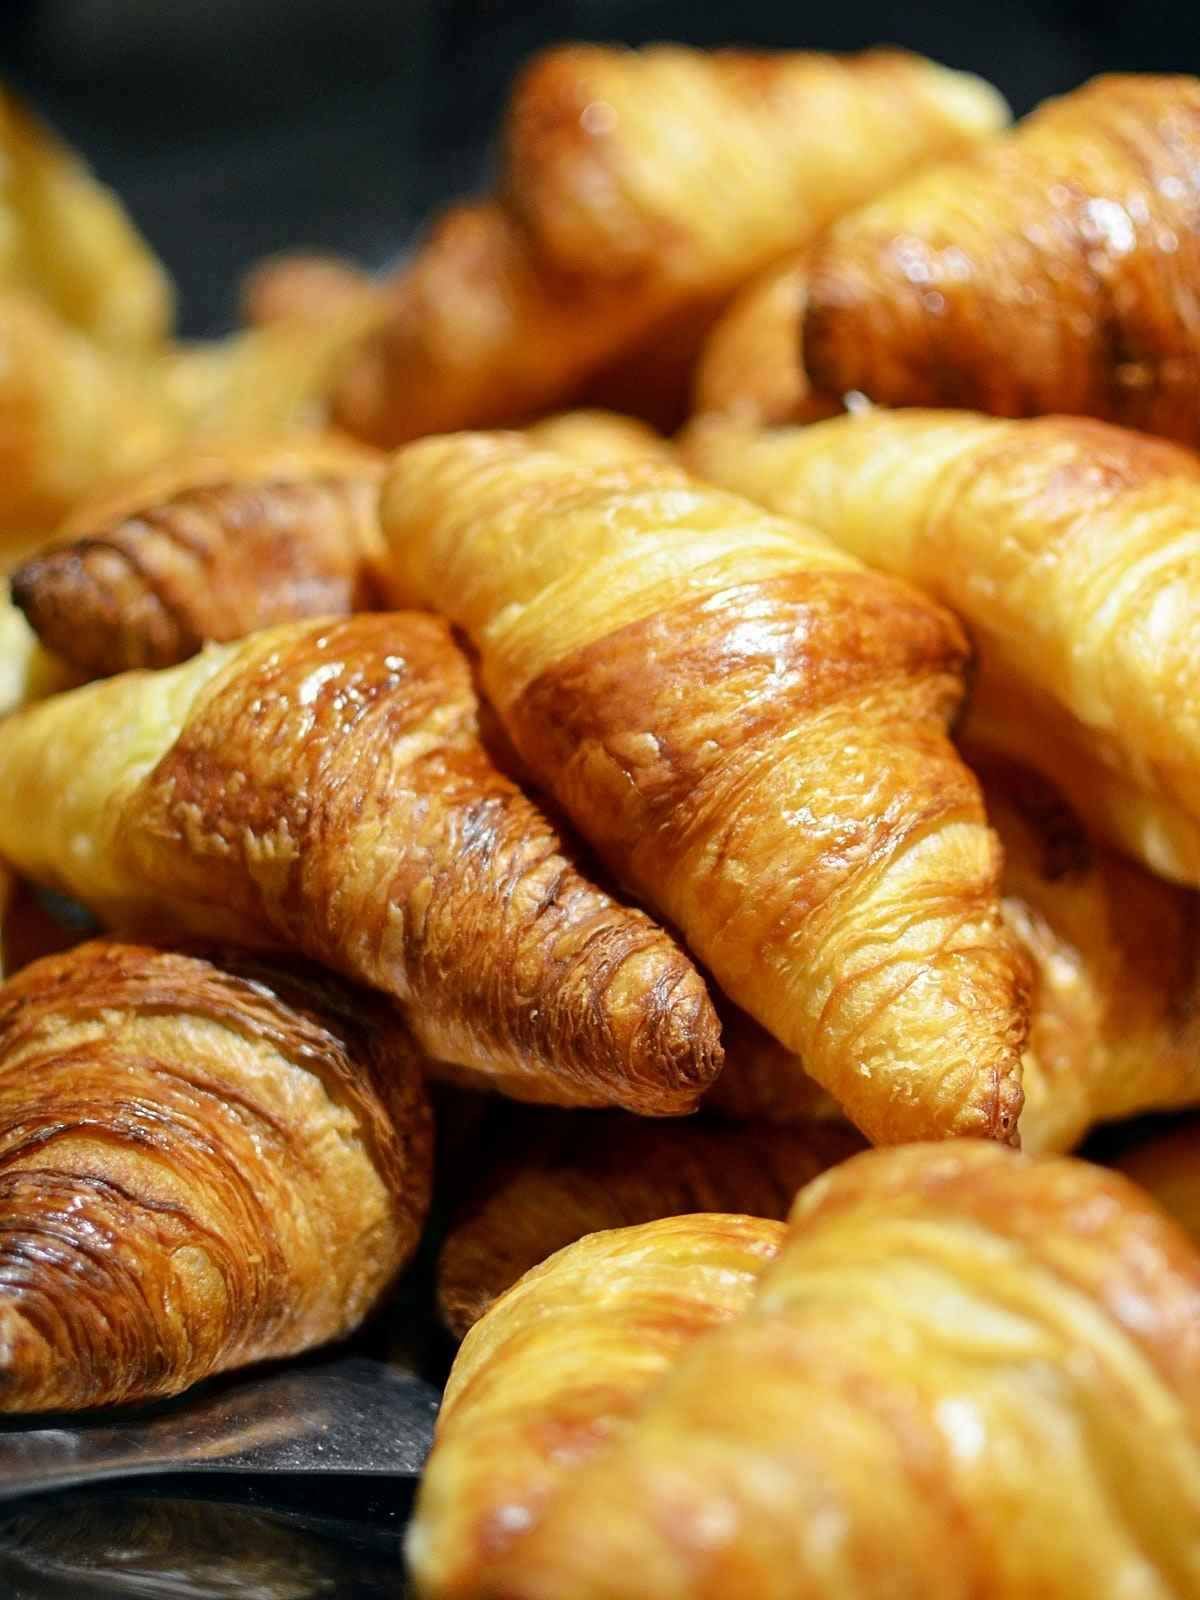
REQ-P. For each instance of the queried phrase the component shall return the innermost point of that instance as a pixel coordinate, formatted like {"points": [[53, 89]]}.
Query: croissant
{"points": [[67, 239], [208, 461], [636, 185], [751, 730], [293, 286], [1045, 270], [750, 367], [70, 414], [1115, 1006], [27, 671], [1167, 1166], [554, 1176], [596, 438], [322, 785], [558, 1367], [941, 1325], [203, 1162], [1066, 546], [148, 588]]}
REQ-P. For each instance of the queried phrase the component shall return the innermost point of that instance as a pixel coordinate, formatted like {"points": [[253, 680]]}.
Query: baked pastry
{"points": [[940, 1324], [599, 437], [205, 1160], [322, 786], [750, 728], [67, 239], [1115, 1016], [1115, 1004], [27, 670], [215, 560], [751, 367], [1044, 270], [553, 1176], [71, 413], [636, 186], [559, 1365], [1067, 548]]}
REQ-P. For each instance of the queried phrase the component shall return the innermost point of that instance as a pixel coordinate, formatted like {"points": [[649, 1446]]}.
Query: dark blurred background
{"points": [[234, 128]]}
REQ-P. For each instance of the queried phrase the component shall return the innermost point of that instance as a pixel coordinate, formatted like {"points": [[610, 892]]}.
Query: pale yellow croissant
{"points": [[71, 414], [751, 729], [1068, 548], [67, 239], [323, 785], [967, 1373], [597, 437], [559, 1365]]}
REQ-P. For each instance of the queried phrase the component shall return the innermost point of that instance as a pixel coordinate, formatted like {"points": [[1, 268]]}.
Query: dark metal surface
{"points": [[354, 1416]]}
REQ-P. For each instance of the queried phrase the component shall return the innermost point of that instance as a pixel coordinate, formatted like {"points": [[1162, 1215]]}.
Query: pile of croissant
{"points": [[829, 769]]}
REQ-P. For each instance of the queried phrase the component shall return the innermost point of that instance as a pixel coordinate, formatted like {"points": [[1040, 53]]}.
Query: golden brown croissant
{"points": [[148, 589], [558, 1367], [636, 185], [203, 1163], [67, 239], [967, 1373], [1167, 1165], [751, 730], [322, 785], [1066, 546], [1115, 1007], [70, 414], [599, 437], [554, 1176], [1047, 270]]}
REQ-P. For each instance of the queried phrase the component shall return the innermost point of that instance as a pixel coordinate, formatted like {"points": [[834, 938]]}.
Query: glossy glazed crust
{"points": [[1067, 546], [323, 786], [1046, 270], [203, 1162], [559, 1366], [67, 239], [636, 184], [1115, 1023], [553, 1177], [1167, 1166], [210, 563], [941, 1323], [750, 728]]}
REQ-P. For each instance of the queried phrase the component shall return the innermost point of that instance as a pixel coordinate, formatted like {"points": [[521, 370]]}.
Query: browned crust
{"points": [[215, 562], [553, 1177], [1049, 270], [162, 1216], [348, 758]]}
